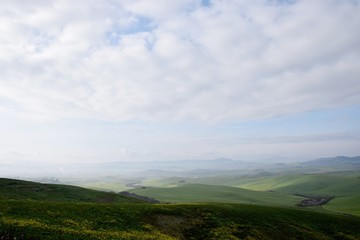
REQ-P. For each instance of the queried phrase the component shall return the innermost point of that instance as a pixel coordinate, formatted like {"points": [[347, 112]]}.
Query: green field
{"points": [[345, 186], [350, 205], [305, 183], [211, 193], [332, 184], [115, 186]]}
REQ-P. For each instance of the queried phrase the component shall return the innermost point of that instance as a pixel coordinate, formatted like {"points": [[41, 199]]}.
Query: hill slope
{"points": [[346, 189], [54, 220], [345, 186], [330, 184], [211, 193], [48, 215], [25, 190]]}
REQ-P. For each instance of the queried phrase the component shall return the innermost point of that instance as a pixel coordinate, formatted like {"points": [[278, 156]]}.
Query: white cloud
{"points": [[160, 60]]}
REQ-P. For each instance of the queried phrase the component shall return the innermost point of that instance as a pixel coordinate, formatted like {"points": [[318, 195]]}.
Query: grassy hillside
{"points": [[350, 205], [210, 193], [307, 183], [56, 220], [116, 186], [32, 211], [345, 186], [335, 184], [17, 189]]}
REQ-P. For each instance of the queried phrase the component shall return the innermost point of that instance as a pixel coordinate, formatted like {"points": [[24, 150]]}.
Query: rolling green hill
{"points": [[331, 184], [345, 186], [211, 193], [25, 190], [305, 183], [32, 211]]}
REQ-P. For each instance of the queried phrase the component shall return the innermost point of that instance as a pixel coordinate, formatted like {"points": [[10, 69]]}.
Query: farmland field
{"points": [[211, 193], [269, 190]]}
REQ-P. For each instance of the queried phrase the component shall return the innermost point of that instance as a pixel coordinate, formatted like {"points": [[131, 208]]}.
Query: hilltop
{"points": [[11, 189]]}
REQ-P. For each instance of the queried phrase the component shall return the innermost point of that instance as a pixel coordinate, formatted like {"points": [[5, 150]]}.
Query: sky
{"points": [[144, 80]]}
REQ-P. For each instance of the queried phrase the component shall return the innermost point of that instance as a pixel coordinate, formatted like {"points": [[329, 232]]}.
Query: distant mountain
{"points": [[339, 161], [219, 163], [179, 165], [183, 168]]}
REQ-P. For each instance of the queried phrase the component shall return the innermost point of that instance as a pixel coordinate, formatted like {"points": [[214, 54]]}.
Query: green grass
{"points": [[58, 220], [167, 182], [210, 193], [349, 205], [307, 183], [105, 186], [332, 184], [345, 186], [55, 220]]}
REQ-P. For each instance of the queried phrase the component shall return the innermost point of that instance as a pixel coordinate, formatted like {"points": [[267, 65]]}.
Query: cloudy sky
{"points": [[137, 80]]}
